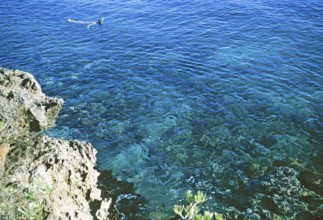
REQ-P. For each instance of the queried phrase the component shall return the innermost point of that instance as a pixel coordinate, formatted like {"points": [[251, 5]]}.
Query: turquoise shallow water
{"points": [[203, 95]]}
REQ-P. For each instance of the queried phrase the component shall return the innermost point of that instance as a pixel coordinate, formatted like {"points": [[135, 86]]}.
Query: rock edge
{"points": [[59, 173]]}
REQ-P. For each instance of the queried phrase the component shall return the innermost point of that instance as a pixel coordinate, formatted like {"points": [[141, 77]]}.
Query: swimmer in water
{"points": [[100, 21], [89, 24]]}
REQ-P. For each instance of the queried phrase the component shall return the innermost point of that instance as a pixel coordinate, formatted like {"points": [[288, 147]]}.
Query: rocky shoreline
{"points": [[43, 177], [49, 178]]}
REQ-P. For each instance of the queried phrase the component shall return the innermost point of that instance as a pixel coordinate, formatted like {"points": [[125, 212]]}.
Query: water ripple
{"points": [[179, 95]]}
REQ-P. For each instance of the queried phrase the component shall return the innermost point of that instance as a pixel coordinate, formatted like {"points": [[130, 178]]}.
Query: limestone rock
{"points": [[24, 107], [42, 176], [65, 168], [4, 149]]}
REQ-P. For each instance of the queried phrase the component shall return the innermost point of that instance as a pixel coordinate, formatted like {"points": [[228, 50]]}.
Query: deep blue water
{"points": [[179, 95]]}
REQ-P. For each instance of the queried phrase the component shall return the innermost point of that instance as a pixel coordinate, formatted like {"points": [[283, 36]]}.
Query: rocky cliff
{"points": [[42, 177]]}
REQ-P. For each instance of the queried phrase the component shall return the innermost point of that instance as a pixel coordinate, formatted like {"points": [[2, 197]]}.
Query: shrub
{"points": [[192, 210]]}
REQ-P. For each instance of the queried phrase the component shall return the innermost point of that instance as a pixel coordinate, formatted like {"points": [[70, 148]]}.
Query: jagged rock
{"points": [[64, 167], [42, 176], [127, 204], [24, 107]]}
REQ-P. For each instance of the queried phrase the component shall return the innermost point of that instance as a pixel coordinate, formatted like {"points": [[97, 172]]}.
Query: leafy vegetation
{"points": [[28, 204], [192, 210]]}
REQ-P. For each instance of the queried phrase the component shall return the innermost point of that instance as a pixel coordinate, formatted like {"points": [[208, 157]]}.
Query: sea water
{"points": [[179, 95]]}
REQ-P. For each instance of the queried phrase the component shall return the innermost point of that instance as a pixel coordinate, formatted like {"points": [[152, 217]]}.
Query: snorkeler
{"points": [[89, 24], [100, 21]]}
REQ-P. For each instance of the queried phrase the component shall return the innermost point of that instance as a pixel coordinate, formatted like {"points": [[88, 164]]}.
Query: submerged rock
{"points": [[127, 204], [43, 177], [268, 140], [285, 195]]}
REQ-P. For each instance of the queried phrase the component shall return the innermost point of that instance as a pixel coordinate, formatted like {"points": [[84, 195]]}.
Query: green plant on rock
{"points": [[34, 207], [5, 94], [192, 210], [24, 204]]}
